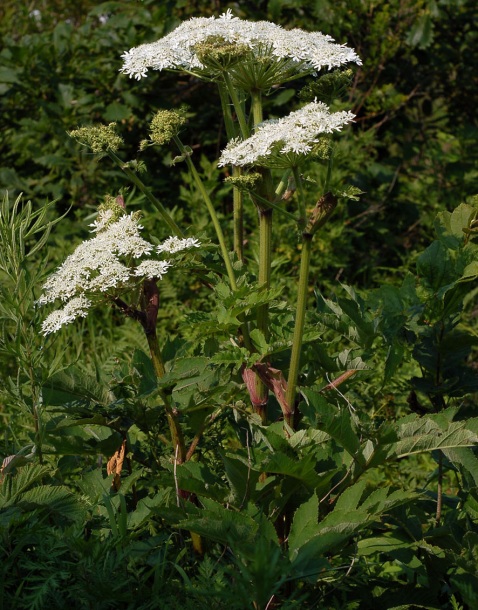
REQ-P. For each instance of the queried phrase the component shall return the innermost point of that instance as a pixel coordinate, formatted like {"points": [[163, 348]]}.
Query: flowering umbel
{"points": [[295, 52], [285, 142], [104, 266]]}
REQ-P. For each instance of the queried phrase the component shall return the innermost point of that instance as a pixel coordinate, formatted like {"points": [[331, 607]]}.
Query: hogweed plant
{"points": [[247, 60], [293, 485]]}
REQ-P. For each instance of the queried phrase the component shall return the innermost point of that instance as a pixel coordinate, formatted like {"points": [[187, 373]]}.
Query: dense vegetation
{"points": [[154, 474]]}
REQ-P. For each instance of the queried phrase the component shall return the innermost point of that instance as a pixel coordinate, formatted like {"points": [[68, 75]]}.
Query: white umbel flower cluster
{"points": [[311, 51], [110, 261], [175, 244], [284, 141], [75, 308]]}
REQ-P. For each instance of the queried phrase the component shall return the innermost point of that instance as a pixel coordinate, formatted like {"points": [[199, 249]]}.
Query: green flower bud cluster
{"points": [[100, 138], [166, 125], [245, 182]]}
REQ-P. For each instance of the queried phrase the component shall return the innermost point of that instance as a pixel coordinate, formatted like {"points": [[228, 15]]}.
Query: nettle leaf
{"points": [[197, 384], [350, 498], [26, 492], [94, 486], [27, 477], [336, 529], [304, 525]]}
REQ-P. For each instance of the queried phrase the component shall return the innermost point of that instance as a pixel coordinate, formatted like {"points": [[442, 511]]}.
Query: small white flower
{"points": [[94, 265], [75, 308], [152, 269], [108, 262], [175, 244], [298, 50], [285, 141], [101, 221]]}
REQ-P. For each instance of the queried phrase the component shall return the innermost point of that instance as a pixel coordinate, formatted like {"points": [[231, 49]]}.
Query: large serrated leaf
{"points": [[241, 477], [421, 434], [73, 384], [226, 526]]}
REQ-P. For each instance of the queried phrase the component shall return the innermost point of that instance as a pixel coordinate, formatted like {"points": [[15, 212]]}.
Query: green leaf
{"points": [[73, 384], [350, 498], [8, 75], [242, 479], [466, 458], [421, 33], [94, 485], [143, 364], [304, 524], [336, 423], [449, 225], [226, 526], [116, 112], [419, 434], [196, 478], [435, 267], [303, 470], [382, 544]]}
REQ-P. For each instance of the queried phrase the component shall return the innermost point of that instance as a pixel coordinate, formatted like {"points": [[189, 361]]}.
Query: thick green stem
{"points": [[238, 199], [299, 324], [38, 433], [256, 108], [238, 217], [147, 193], [300, 191], [264, 281], [266, 193], [226, 111], [238, 107]]}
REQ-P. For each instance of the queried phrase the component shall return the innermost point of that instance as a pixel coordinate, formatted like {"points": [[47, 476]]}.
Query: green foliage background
{"points": [[412, 151]]}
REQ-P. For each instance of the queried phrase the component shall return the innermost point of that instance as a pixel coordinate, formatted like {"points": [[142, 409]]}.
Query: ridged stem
{"points": [[237, 196], [266, 193], [299, 324], [238, 106]]}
